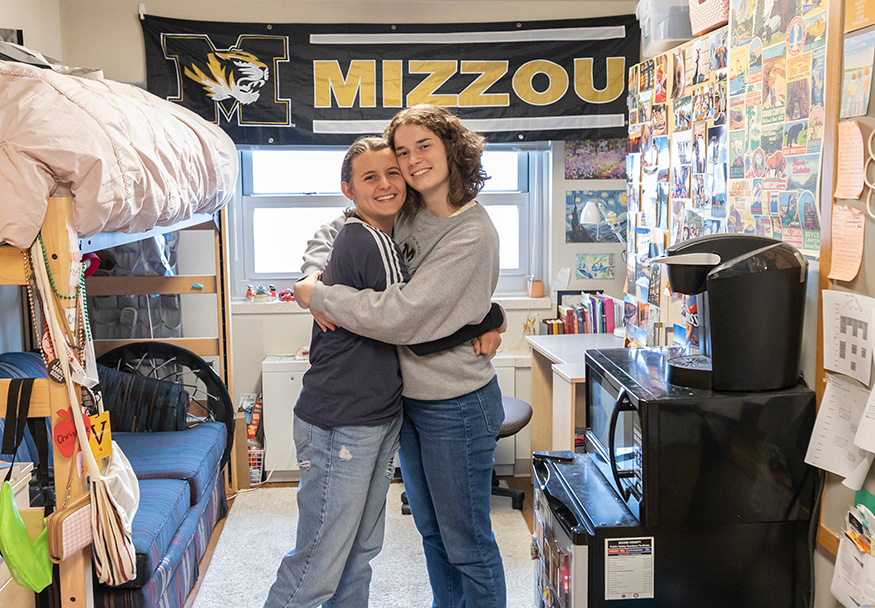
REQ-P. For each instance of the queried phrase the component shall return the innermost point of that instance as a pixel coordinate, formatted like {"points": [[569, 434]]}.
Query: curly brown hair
{"points": [[464, 148]]}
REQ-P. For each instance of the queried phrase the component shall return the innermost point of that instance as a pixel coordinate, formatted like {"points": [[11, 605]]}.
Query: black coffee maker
{"points": [[754, 291]]}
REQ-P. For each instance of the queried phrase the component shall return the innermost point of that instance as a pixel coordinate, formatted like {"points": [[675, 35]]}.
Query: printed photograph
{"points": [[682, 113], [717, 145], [858, 57], [678, 80], [595, 159], [719, 97], [719, 47], [700, 146], [660, 82]]}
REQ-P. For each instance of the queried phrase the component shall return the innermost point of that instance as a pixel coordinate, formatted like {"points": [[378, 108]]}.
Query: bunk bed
{"points": [[86, 164]]}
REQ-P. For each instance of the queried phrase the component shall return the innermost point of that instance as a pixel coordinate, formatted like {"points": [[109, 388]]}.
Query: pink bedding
{"points": [[133, 161]]}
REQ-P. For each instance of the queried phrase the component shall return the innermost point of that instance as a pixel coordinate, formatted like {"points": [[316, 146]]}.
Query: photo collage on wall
{"points": [[727, 132], [777, 73], [677, 169]]}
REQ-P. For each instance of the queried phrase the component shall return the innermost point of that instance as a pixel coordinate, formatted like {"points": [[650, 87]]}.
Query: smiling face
{"points": [[422, 157], [376, 187]]}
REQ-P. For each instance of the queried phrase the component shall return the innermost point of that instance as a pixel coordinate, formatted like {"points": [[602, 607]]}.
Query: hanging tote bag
{"points": [[28, 561], [115, 493]]}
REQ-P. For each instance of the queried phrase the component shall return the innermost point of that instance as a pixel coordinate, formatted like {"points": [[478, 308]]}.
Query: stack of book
{"points": [[597, 313]]}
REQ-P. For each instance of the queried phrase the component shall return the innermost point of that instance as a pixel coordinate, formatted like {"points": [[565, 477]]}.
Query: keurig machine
{"points": [[754, 301]]}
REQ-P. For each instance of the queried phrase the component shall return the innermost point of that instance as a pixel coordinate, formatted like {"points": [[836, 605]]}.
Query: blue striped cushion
{"points": [[192, 455], [176, 574], [164, 503]]}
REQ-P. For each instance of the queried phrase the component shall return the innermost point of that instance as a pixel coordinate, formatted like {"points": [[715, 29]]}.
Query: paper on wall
{"points": [[560, 282], [832, 441], [853, 581], [849, 161], [857, 477], [848, 236], [866, 429], [847, 334]]}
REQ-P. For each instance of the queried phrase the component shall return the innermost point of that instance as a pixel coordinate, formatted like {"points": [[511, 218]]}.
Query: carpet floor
{"points": [[261, 528]]}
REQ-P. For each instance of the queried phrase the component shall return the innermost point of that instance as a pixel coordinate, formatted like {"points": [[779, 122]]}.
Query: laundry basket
{"points": [[256, 465]]}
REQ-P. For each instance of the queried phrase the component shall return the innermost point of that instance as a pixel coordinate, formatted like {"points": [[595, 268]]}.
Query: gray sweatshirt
{"points": [[454, 267]]}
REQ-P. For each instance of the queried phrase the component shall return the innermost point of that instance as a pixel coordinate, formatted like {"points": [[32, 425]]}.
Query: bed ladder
{"points": [[50, 397]]}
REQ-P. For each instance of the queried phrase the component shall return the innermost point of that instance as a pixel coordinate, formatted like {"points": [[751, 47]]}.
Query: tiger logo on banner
{"points": [[236, 74], [238, 83]]}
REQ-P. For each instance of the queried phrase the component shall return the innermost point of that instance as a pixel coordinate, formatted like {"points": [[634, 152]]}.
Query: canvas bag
{"points": [[115, 492]]}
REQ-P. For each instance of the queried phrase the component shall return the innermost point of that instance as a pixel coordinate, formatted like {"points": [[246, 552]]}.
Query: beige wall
{"points": [[39, 19]]}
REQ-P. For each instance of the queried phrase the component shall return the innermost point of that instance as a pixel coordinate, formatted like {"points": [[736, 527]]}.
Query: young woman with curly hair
{"points": [[452, 403]]}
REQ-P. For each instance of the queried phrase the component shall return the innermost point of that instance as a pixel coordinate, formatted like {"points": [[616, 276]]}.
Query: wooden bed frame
{"points": [[50, 397]]}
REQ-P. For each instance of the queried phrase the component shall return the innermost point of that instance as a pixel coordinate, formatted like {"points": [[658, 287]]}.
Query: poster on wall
{"points": [[612, 205], [595, 159], [321, 83], [777, 54]]}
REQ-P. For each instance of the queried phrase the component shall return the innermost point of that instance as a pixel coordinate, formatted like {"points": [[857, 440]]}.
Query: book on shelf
{"points": [[592, 313]]}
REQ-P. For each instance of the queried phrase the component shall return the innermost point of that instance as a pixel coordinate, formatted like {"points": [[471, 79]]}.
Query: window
{"points": [[285, 195]]}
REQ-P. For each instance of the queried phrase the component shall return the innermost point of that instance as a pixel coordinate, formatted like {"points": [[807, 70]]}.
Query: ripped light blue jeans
{"points": [[345, 474]]}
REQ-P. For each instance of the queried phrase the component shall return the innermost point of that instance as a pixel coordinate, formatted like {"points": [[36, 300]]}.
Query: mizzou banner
{"points": [[330, 83]]}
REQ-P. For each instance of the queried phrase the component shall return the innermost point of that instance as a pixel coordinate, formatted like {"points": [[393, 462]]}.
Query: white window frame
{"points": [[531, 198]]}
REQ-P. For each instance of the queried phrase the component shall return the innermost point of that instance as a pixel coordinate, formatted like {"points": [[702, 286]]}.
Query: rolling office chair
{"points": [[517, 414]]}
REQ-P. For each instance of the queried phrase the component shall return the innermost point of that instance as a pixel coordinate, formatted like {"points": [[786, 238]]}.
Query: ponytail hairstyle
{"points": [[360, 146]]}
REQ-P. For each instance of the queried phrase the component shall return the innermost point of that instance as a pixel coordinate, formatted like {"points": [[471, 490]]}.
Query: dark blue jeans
{"points": [[446, 460]]}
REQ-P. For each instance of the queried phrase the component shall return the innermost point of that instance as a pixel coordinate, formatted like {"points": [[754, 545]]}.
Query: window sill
{"points": [[523, 302], [266, 308]]}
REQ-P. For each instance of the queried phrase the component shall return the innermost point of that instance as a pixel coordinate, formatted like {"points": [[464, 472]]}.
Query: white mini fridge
{"points": [[281, 380]]}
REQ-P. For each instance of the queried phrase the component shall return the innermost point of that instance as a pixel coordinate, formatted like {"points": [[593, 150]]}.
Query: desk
{"points": [[557, 380]]}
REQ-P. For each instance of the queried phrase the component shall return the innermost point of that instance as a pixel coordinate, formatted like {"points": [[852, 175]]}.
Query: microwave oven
{"points": [[677, 455]]}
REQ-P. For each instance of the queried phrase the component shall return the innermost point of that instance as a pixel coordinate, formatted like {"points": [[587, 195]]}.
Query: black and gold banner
{"points": [[329, 83]]}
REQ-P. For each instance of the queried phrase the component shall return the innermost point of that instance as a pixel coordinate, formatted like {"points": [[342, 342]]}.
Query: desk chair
{"points": [[517, 414]]}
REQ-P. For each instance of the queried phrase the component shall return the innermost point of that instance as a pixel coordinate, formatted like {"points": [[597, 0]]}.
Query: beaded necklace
{"points": [[31, 287], [52, 279], [76, 336]]}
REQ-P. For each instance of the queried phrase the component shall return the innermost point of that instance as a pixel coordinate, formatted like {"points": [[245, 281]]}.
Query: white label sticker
{"points": [[629, 568]]}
